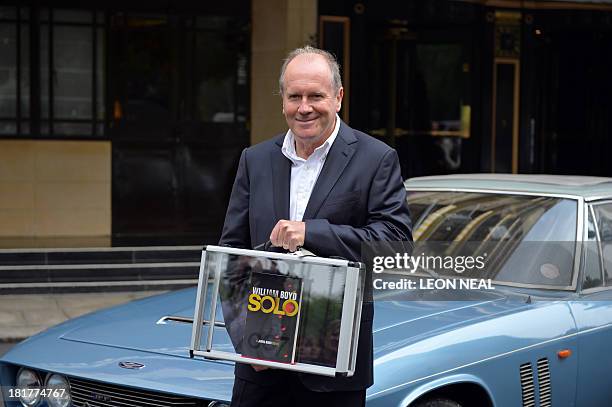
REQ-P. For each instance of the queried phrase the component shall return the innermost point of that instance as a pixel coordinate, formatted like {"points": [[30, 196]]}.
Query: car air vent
{"points": [[544, 383], [87, 393], [527, 387]]}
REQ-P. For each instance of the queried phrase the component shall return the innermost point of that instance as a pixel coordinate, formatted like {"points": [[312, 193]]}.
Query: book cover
{"points": [[272, 317]]}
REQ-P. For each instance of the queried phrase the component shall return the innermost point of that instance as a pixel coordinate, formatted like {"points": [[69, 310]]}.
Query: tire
{"points": [[437, 403]]}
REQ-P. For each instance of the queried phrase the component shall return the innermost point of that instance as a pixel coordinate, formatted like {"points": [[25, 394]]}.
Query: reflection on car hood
{"points": [[401, 323], [136, 325]]}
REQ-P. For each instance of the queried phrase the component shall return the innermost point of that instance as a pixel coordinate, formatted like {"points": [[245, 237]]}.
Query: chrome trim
{"points": [[213, 306], [349, 303], [588, 198], [298, 367], [604, 202], [90, 393], [99, 266], [410, 188], [568, 288], [198, 312], [597, 197], [603, 279], [599, 248], [102, 249], [184, 320], [280, 256], [99, 283], [131, 365], [361, 279], [580, 228], [596, 290]]}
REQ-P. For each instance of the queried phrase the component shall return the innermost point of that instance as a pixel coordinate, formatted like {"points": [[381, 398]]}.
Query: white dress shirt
{"points": [[304, 173]]}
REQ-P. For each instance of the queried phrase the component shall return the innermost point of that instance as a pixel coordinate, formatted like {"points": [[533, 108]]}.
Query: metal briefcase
{"points": [[284, 311]]}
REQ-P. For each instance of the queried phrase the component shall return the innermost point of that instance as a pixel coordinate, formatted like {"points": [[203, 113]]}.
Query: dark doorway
{"points": [[574, 108], [419, 97], [179, 100]]}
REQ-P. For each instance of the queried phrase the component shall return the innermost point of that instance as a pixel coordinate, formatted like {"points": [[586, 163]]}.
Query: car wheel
{"points": [[437, 403]]}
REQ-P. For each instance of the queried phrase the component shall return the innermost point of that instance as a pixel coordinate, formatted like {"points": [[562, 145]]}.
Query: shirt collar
{"points": [[288, 148]]}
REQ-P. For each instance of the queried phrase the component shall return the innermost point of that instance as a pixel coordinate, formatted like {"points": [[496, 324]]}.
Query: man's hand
{"points": [[259, 368], [288, 234]]}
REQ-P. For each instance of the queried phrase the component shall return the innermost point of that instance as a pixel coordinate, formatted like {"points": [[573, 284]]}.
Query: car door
{"points": [[593, 311]]}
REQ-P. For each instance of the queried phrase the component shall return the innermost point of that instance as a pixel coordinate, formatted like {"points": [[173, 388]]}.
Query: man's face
{"points": [[309, 100]]}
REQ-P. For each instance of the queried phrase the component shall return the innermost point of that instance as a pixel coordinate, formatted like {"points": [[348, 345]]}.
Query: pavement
{"points": [[22, 316]]}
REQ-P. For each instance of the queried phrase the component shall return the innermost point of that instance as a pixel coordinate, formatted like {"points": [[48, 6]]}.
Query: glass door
{"points": [[179, 102], [420, 98]]}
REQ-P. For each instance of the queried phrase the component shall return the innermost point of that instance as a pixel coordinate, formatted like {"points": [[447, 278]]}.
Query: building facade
{"points": [[121, 123]]}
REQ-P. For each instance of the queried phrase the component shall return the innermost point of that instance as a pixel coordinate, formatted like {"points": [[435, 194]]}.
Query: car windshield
{"points": [[530, 240]]}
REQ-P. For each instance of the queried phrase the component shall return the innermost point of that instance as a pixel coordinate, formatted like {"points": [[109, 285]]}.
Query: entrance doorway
{"points": [[419, 96], [574, 110], [178, 95]]}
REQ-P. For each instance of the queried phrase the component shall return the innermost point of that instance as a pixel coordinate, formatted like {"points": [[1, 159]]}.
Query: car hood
{"points": [[144, 325], [92, 346]]}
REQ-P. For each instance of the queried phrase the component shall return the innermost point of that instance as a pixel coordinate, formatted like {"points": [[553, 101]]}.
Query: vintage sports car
{"points": [[540, 338]]}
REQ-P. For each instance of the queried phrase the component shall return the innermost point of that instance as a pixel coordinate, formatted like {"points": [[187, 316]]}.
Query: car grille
{"points": [[87, 393]]}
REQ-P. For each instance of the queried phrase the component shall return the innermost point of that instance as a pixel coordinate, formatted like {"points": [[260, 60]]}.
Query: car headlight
{"points": [[28, 379], [58, 391]]}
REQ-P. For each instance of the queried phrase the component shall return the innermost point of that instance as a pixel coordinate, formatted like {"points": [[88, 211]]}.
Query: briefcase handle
{"points": [[267, 247]]}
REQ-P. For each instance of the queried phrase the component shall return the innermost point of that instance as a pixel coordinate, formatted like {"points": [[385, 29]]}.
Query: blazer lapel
{"points": [[281, 178], [337, 159]]}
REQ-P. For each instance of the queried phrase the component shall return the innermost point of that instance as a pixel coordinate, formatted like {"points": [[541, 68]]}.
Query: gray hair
{"points": [[334, 68]]}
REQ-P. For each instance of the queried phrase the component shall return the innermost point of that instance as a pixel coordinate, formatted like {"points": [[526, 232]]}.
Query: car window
{"points": [[591, 264], [530, 240], [603, 213]]}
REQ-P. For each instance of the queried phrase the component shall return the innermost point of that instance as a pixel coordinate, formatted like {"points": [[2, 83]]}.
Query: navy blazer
{"points": [[358, 197]]}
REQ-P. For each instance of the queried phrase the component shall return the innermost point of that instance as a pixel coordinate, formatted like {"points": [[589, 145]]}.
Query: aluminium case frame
{"points": [[349, 322]]}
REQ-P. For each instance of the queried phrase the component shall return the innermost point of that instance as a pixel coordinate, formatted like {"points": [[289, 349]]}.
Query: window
{"points": [[71, 73], [591, 264], [526, 239], [67, 72], [221, 70], [14, 71], [603, 213]]}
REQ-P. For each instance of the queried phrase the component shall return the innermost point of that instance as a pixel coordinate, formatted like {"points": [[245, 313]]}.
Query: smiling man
{"points": [[324, 186], [310, 101]]}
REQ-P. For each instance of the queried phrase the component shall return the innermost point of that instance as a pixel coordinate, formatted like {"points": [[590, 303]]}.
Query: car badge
{"points": [[98, 397], [131, 365]]}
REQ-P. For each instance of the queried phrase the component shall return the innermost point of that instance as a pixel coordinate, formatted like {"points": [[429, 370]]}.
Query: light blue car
{"points": [[541, 337]]}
